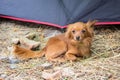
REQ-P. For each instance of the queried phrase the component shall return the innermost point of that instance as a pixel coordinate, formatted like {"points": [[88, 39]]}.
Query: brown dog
{"points": [[67, 46]]}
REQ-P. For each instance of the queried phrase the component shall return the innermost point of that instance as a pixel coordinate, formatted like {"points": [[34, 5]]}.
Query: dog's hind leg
{"points": [[55, 50], [70, 56]]}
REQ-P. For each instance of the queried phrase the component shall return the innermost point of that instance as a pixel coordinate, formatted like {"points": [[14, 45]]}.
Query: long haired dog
{"points": [[75, 42]]}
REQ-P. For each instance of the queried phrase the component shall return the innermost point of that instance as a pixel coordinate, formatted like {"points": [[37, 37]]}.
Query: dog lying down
{"points": [[75, 42]]}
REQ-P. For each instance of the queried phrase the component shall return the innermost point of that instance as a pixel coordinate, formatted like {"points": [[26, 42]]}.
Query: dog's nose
{"points": [[78, 38]]}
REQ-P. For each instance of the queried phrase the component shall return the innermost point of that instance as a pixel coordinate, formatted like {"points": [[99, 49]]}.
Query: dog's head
{"points": [[79, 30]]}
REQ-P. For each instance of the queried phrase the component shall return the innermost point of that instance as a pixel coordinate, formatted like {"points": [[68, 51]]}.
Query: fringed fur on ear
{"points": [[68, 31], [90, 27], [91, 23]]}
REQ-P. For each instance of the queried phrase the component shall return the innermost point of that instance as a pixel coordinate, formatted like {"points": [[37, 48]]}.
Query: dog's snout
{"points": [[78, 38]]}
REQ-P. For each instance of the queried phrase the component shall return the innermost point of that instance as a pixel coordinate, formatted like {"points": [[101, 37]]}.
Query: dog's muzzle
{"points": [[78, 38]]}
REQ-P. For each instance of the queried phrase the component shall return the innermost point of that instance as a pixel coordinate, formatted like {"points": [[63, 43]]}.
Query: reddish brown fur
{"points": [[67, 46]]}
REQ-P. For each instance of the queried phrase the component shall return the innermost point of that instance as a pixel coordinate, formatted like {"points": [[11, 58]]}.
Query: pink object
{"points": [[51, 24]]}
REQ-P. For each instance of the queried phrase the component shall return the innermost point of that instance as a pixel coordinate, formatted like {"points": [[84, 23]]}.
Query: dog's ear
{"points": [[90, 27], [68, 31], [91, 24]]}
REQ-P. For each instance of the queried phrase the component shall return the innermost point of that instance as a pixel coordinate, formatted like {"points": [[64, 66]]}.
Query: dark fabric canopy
{"points": [[59, 13]]}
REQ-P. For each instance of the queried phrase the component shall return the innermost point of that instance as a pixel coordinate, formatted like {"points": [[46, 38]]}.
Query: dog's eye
{"points": [[83, 31], [73, 31]]}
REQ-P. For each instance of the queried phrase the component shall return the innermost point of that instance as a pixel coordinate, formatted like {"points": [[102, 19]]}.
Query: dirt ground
{"points": [[104, 64]]}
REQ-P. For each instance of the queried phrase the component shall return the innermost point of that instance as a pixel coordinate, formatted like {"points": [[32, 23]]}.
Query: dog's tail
{"points": [[24, 54]]}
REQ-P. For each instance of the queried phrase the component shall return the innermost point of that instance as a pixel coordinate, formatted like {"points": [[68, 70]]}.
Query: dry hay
{"points": [[104, 64]]}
